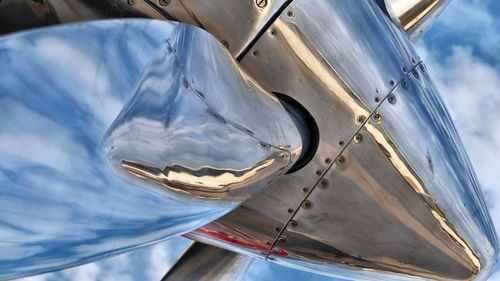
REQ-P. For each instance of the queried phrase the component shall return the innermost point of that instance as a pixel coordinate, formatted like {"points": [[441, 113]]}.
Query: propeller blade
{"points": [[60, 203], [207, 263]]}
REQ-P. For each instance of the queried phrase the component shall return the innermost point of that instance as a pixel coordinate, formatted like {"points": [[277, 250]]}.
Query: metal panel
{"points": [[337, 58], [198, 126], [403, 200]]}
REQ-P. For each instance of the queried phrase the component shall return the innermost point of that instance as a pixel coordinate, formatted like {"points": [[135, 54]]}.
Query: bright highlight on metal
{"points": [[305, 133]]}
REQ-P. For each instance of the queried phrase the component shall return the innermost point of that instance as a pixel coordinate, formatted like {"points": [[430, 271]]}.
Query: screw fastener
{"points": [[261, 3], [164, 2]]}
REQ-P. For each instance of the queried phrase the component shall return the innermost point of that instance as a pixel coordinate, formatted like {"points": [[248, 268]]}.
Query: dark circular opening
{"points": [[307, 127]]}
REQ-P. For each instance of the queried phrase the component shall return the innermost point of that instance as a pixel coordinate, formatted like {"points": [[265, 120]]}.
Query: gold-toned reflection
{"points": [[405, 170], [313, 61], [205, 182], [411, 12]]}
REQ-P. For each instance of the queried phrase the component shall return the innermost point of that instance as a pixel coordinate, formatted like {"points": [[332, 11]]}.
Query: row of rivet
{"points": [[358, 138]]}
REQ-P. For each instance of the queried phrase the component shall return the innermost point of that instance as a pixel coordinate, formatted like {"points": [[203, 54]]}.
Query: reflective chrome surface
{"points": [[235, 23], [60, 203], [415, 16], [199, 126], [403, 200], [206, 263], [355, 210], [308, 54]]}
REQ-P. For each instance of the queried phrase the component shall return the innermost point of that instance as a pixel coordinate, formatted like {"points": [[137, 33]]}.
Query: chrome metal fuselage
{"points": [[389, 192]]}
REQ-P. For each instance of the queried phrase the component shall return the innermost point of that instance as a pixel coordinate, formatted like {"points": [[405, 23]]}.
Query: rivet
{"points": [[358, 138], [341, 143], [289, 13], [318, 173], [376, 117], [328, 161], [404, 69], [422, 68], [392, 82], [261, 3], [377, 99], [307, 204], [264, 145], [293, 223], [282, 240], [413, 60], [164, 2], [392, 99], [131, 2], [255, 53], [340, 160], [225, 43], [305, 189], [268, 243], [272, 32], [290, 210], [185, 83], [360, 119], [277, 229], [405, 83], [415, 73], [323, 183]]}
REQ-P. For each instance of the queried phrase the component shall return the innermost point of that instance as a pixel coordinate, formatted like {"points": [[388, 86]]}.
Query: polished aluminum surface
{"points": [[235, 23], [308, 54], [199, 126], [415, 16], [351, 211], [404, 200], [206, 263], [60, 203]]}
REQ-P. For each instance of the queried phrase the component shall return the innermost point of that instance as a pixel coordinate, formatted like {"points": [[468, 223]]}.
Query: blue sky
{"points": [[462, 51]]}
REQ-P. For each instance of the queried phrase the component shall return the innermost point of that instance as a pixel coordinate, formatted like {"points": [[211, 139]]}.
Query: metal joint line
{"points": [[184, 76], [351, 139], [268, 24]]}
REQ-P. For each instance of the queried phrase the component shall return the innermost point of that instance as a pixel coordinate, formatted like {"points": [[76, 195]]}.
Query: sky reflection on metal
{"points": [[467, 73]]}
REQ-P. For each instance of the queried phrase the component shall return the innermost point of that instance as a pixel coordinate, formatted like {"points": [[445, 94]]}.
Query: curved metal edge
{"points": [[415, 17], [199, 127], [60, 203]]}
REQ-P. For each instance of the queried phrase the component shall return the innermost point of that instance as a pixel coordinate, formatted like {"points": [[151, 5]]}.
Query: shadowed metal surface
{"points": [[308, 54], [60, 203], [341, 59], [198, 126], [235, 23], [403, 200], [206, 263]]}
